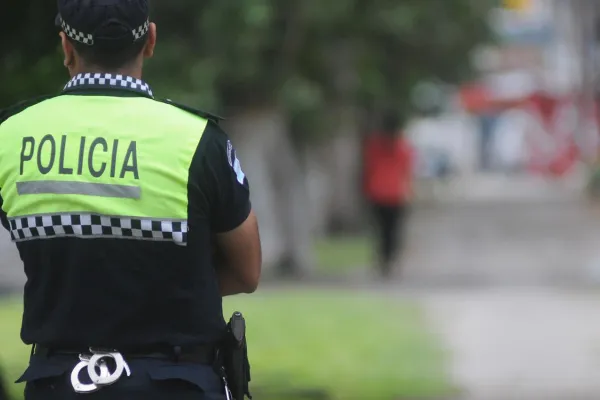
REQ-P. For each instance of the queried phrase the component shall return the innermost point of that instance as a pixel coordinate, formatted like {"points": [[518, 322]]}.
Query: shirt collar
{"points": [[108, 81]]}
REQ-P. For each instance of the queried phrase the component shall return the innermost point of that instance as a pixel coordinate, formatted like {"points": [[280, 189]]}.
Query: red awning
{"points": [[477, 98]]}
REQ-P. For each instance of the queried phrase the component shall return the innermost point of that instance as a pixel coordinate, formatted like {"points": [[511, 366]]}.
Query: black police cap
{"points": [[111, 24]]}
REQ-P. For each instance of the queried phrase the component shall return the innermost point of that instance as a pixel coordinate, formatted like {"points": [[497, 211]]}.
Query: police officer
{"points": [[115, 201]]}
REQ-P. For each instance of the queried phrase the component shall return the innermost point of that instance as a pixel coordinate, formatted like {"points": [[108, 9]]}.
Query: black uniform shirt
{"points": [[119, 293]]}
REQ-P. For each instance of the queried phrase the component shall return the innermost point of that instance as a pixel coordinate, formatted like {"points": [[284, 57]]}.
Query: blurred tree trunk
{"points": [[344, 149], [344, 166], [278, 188]]}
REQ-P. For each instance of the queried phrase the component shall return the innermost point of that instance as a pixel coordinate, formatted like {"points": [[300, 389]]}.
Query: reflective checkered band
{"points": [[141, 31], [114, 81], [91, 226], [88, 39], [74, 34]]}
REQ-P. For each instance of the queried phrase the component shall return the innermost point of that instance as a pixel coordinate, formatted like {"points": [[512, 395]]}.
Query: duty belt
{"points": [[102, 373]]}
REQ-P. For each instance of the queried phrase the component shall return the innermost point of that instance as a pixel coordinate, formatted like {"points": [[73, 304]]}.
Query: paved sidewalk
{"points": [[521, 344]]}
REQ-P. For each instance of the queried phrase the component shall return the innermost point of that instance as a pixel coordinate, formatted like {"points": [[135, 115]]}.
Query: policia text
{"points": [[49, 156]]}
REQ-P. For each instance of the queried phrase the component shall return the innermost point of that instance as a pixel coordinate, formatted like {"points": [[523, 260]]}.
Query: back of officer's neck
{"points": [[132, 71]]}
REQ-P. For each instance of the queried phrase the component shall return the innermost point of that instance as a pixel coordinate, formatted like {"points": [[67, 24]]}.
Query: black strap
{"points": [[197, 354], [203, 114]]}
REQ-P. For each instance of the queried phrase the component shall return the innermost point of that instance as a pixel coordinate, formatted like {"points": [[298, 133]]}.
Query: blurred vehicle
{"points": [[444, 144], [509, 147], [433, 162]]}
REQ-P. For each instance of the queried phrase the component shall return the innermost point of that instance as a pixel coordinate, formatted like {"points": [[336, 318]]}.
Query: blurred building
{"points": [[532, 108]]}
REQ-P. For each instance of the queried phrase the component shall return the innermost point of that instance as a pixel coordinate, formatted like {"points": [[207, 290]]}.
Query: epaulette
{"points": [[202, 114], [21, 106]]}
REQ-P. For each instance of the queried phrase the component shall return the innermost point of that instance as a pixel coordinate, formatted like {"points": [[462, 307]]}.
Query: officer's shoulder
{"points": [[15, 109], [202, 114]]}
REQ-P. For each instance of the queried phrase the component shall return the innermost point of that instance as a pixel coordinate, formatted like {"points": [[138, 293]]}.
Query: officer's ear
{"points": [[151, 43], [68, 50]]}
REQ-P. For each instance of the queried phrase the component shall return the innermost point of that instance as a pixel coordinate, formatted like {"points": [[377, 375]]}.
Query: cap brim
{"points": [[58, 21]]}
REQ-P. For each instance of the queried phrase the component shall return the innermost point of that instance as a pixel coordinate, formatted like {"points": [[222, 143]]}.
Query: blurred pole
{"points": [[585, 14], [594, 185], [595, 41], [585, 18]]}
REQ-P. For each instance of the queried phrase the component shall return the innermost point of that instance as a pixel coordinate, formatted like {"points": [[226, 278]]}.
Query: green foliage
{"points": [[349, 345], [29, 62], [300, 54]]}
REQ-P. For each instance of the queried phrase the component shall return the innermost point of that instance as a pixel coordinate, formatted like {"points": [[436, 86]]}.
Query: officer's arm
{"points": [[241, 257], [232, 220]]}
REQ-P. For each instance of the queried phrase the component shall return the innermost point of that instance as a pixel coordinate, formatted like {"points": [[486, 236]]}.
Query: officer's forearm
{"points": [[229, 285]]}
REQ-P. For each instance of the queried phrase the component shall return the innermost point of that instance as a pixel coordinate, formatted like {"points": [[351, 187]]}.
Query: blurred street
{"points": [[517, 323], [498, 230]]}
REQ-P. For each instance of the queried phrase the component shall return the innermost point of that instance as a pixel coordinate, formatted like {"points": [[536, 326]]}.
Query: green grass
{"points": [[352, 345], [343, 254]]}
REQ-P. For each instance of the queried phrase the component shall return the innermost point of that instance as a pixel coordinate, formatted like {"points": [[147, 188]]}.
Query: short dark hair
{"points": [[109, 59]]}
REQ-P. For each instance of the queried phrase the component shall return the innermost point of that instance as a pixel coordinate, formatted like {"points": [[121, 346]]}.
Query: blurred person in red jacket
{"points": [[388, 175]]}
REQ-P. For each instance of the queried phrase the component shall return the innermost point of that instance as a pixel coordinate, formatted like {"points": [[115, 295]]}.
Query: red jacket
{"points": [[388, 174]]}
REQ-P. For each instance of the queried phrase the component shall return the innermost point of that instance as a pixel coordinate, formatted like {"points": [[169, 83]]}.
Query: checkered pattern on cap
{"points": [[74, 34], [114, 81], [141, 31], [88, 39], [91, 226]]}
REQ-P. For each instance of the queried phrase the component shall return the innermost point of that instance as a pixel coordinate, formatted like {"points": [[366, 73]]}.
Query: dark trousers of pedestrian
{"points": [[390, 223], [151, 379]]}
